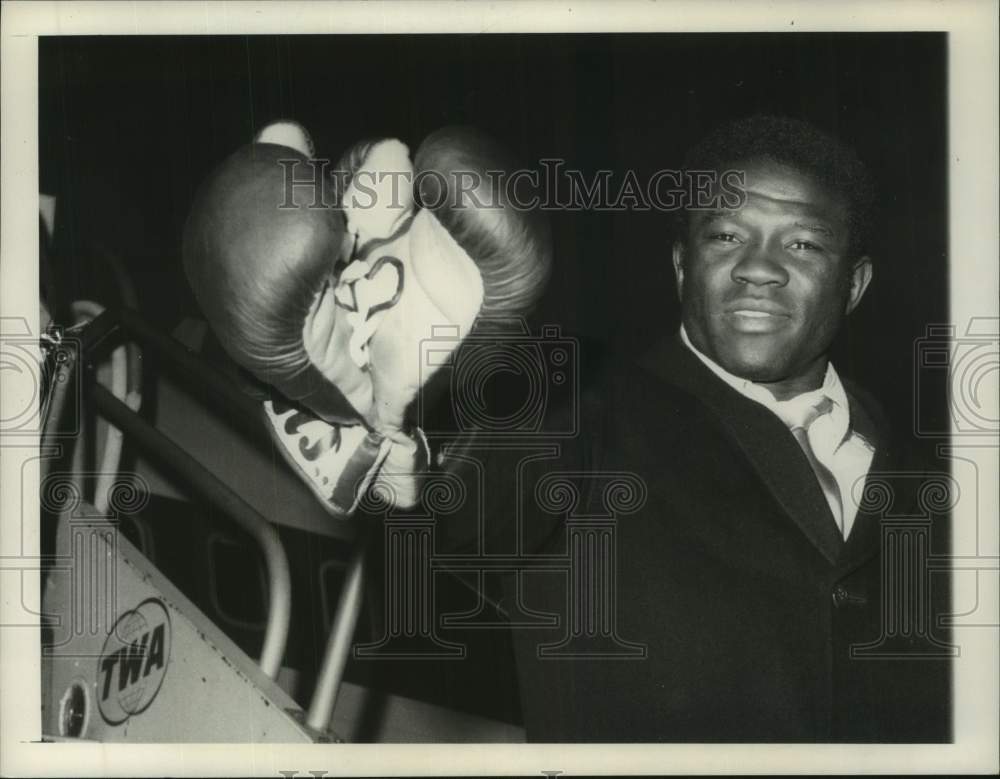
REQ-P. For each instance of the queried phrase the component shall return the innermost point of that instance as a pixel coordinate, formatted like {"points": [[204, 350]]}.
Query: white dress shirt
{"points": [[845, 453]]}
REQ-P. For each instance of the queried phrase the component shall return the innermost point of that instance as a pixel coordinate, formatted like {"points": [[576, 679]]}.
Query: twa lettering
{"points": [[129, 660], [134, 661]]}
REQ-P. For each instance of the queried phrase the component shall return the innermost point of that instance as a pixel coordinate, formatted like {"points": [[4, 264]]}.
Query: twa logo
{"points": [[133, 662]]}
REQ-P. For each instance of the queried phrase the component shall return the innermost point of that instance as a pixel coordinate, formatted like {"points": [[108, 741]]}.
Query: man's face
{"points": [[765, 288]]}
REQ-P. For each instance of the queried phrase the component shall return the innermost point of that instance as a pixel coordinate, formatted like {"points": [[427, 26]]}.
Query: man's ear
{"points": [[861, 276], [679, 267]]}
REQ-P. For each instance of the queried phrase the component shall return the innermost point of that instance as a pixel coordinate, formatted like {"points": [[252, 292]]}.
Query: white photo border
{"points": [[973, 140]]}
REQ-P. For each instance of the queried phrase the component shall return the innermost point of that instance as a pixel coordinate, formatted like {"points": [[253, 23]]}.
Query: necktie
{"points": [[826, 479]]}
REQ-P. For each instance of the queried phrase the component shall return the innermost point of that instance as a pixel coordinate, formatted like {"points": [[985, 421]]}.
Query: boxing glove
{"points": [[420, 274], [470, 252], [467, 180], [261, 258], [347, 345]]}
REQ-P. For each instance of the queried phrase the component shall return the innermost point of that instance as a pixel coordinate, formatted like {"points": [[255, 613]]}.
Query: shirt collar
{"points": [[786, 410]]}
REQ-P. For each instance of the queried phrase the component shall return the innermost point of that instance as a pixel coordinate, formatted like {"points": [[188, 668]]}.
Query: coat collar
{"points": [[867, 421], [770, 448]]}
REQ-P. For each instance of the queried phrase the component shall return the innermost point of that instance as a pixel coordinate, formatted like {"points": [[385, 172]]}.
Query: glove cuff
{"points": [[399, 479], [337, 462]]}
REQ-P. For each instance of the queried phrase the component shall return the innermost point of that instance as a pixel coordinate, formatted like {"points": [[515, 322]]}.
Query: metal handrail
{"points": [[338, 646], [155, 443], [206, 376]]}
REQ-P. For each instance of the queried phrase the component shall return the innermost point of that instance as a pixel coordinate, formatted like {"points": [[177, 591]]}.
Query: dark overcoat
{"points": [[711, 597]]}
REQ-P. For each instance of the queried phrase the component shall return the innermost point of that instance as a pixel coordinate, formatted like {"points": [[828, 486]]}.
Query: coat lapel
{"points": [[762, 437], [863, 542]]}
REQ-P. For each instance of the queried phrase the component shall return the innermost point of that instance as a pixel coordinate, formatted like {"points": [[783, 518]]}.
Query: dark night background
{"points": [[130, 126]]}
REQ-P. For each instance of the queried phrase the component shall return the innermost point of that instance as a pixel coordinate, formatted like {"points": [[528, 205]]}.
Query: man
{"points": [[697, 563], [743, 597]]}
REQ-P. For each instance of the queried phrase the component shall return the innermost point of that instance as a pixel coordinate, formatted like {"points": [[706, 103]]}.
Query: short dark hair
{"points": [[798, 145]]}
